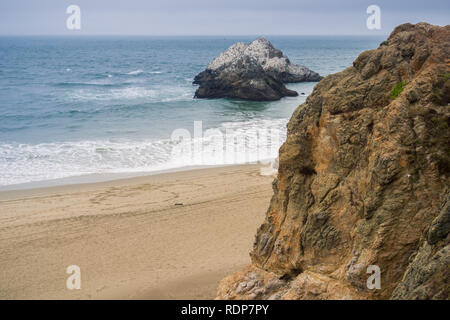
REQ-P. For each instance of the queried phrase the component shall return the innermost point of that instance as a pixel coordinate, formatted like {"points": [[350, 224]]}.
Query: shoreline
{"points": [[171, 235], [115, 176]]}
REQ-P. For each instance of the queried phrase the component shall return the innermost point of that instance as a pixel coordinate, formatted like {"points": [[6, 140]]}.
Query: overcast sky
{"points": [[211, 17]]}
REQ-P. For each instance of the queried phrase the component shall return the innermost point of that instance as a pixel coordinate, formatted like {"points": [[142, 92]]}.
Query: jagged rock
{"points": [[428, 276], [255, 71], [363, 180]]}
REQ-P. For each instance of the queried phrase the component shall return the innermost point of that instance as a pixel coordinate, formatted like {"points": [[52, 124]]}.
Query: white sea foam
{"points": [[159, 93], [248, 141], [135, 72]]}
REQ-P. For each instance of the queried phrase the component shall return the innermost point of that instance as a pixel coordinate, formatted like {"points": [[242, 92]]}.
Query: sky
{"points": [[212, 17]]}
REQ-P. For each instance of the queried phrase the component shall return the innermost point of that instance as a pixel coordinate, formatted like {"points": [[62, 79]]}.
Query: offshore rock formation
{"points": [[255, 71], [363, 180]]}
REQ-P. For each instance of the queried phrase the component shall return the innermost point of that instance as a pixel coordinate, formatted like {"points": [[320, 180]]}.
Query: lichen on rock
{"points": [[363, 180], [255, 71]]}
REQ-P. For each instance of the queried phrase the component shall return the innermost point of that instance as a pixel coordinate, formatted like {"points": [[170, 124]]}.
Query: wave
{"points": [[108, 81], [139, 72], [230, 143], [136, 72], [88, 84], [152, 94]]}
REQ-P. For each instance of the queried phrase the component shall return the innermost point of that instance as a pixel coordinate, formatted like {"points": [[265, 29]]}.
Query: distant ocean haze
{"points": [[71, 106]]}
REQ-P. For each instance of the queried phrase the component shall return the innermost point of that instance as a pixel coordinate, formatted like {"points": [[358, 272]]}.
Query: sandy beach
{"points": [[165, 236]]}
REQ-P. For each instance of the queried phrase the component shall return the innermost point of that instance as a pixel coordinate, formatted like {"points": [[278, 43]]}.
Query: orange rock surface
{"points": [[363, 180]]}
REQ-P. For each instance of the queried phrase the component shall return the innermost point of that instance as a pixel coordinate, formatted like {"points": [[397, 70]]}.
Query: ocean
{"points": [[76, 106]]}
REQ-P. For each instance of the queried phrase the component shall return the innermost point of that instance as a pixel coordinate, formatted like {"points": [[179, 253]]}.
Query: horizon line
{"points": [[188, 35]]}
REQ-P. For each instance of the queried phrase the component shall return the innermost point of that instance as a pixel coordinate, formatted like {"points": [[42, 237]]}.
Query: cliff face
{"points": [[363, 180]]}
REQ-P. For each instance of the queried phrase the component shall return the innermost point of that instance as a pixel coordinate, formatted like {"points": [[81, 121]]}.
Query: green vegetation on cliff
{"points": [[397, 89]]}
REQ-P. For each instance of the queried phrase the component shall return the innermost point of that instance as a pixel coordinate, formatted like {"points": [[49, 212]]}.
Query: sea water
{"points": [[72, 106]]}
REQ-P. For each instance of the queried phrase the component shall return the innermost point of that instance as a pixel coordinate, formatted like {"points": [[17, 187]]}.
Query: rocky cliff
{"points": [[363, 180], [254, 71]]}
